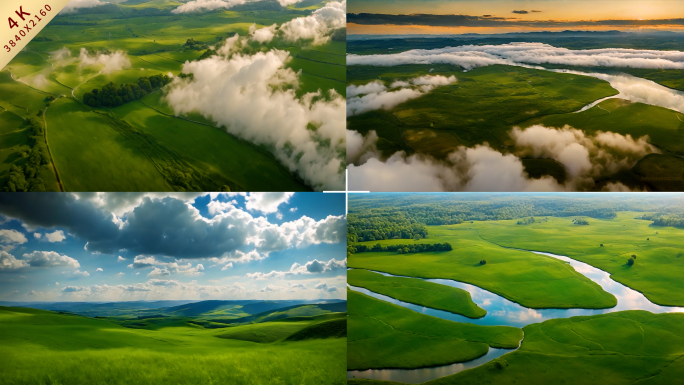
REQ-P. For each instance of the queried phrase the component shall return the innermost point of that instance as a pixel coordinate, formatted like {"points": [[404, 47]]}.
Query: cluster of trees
{"points": [[403, 249], [581, 222], [194, 45], [28, 177], [386, 226], [113, 95], [526, 221]]}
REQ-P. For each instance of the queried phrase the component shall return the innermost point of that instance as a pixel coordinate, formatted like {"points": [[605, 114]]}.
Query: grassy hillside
{"points": [[41, 347], [383, 335], [531, 280], [417, 291]]}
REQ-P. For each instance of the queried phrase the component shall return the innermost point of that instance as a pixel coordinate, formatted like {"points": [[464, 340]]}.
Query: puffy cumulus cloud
{"points": [[37, 235], [361, 148], [12, 236], [9, 262], [227, 266], [584, 157], [57, 236], [318, 25], [79, 273], [99, 269], [324, 287], [157, 272], [482, 168], [120, 258], [115, 61], [253, 97], [163, 282], [316, 266], [262, 35], [266, 202], [50, 259], [123, 202], [74, 5], [472, 56], [375, 96], [170, 227], [311, 267]]}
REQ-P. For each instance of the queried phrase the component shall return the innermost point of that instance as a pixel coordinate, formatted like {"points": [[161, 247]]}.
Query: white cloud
{"points": [[271, 288], [37, 235], [157, 272], [12, 236], [311, 267], [253, 97], [293, 209], [325, 287], [98, 269], [375, 96], [115, 61], [50, 259], [57, 236], [318, 25], [472, 56], [79, 273], [120, 258], [267, 202], [8, 262], [262, 35], [227, 266]]}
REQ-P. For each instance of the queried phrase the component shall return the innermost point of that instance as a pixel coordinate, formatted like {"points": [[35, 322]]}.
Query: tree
{"points": [[630, 262], [483, 262], [602, 245]]}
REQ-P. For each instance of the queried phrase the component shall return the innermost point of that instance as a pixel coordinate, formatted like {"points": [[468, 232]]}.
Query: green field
{"points": [[529, 279], [41, 347], [631, 347], [657, 272], [417, 291], [382, 335], [89, 150]]}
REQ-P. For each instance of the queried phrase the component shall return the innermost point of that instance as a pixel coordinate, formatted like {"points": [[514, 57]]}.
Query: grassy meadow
{"points": [[532, 280], [42, 347], [383, 335], [89, 149], [417, 291]]}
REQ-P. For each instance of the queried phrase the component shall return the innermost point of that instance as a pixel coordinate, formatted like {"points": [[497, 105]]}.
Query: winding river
{"points": [[501, 311]]}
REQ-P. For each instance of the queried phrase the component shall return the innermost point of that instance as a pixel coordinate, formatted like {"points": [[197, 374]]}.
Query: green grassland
{"points": [[41, 347], [90, 151], [482, 106], [529, 279], [383, 335], [417, 291], [630, 347], [659, 265]]}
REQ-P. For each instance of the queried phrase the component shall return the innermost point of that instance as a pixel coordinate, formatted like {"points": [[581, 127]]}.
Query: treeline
{"points": [[665, 220], [113, 95], [388, 226], [403, 249], [526, 221], [580, 222], [28, 176]]}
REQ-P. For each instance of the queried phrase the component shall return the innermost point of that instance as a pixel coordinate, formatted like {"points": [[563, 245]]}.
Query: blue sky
{"points": [[135, 246]]}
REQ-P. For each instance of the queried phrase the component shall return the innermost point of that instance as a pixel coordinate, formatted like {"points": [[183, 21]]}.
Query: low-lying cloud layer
{"points": [[482, 168], [472, 56], [115, 61], [375, 96], [74, 5], [254, 98]]}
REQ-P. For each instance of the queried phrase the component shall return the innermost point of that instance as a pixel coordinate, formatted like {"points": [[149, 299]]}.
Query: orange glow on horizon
{"points": [[385, 29]]}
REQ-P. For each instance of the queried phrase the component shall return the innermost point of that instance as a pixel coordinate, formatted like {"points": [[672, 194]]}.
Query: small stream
{"points": [[501, 311]]}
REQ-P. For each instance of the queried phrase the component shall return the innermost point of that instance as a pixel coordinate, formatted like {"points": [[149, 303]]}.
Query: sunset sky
{"points": [[497, 16]]}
